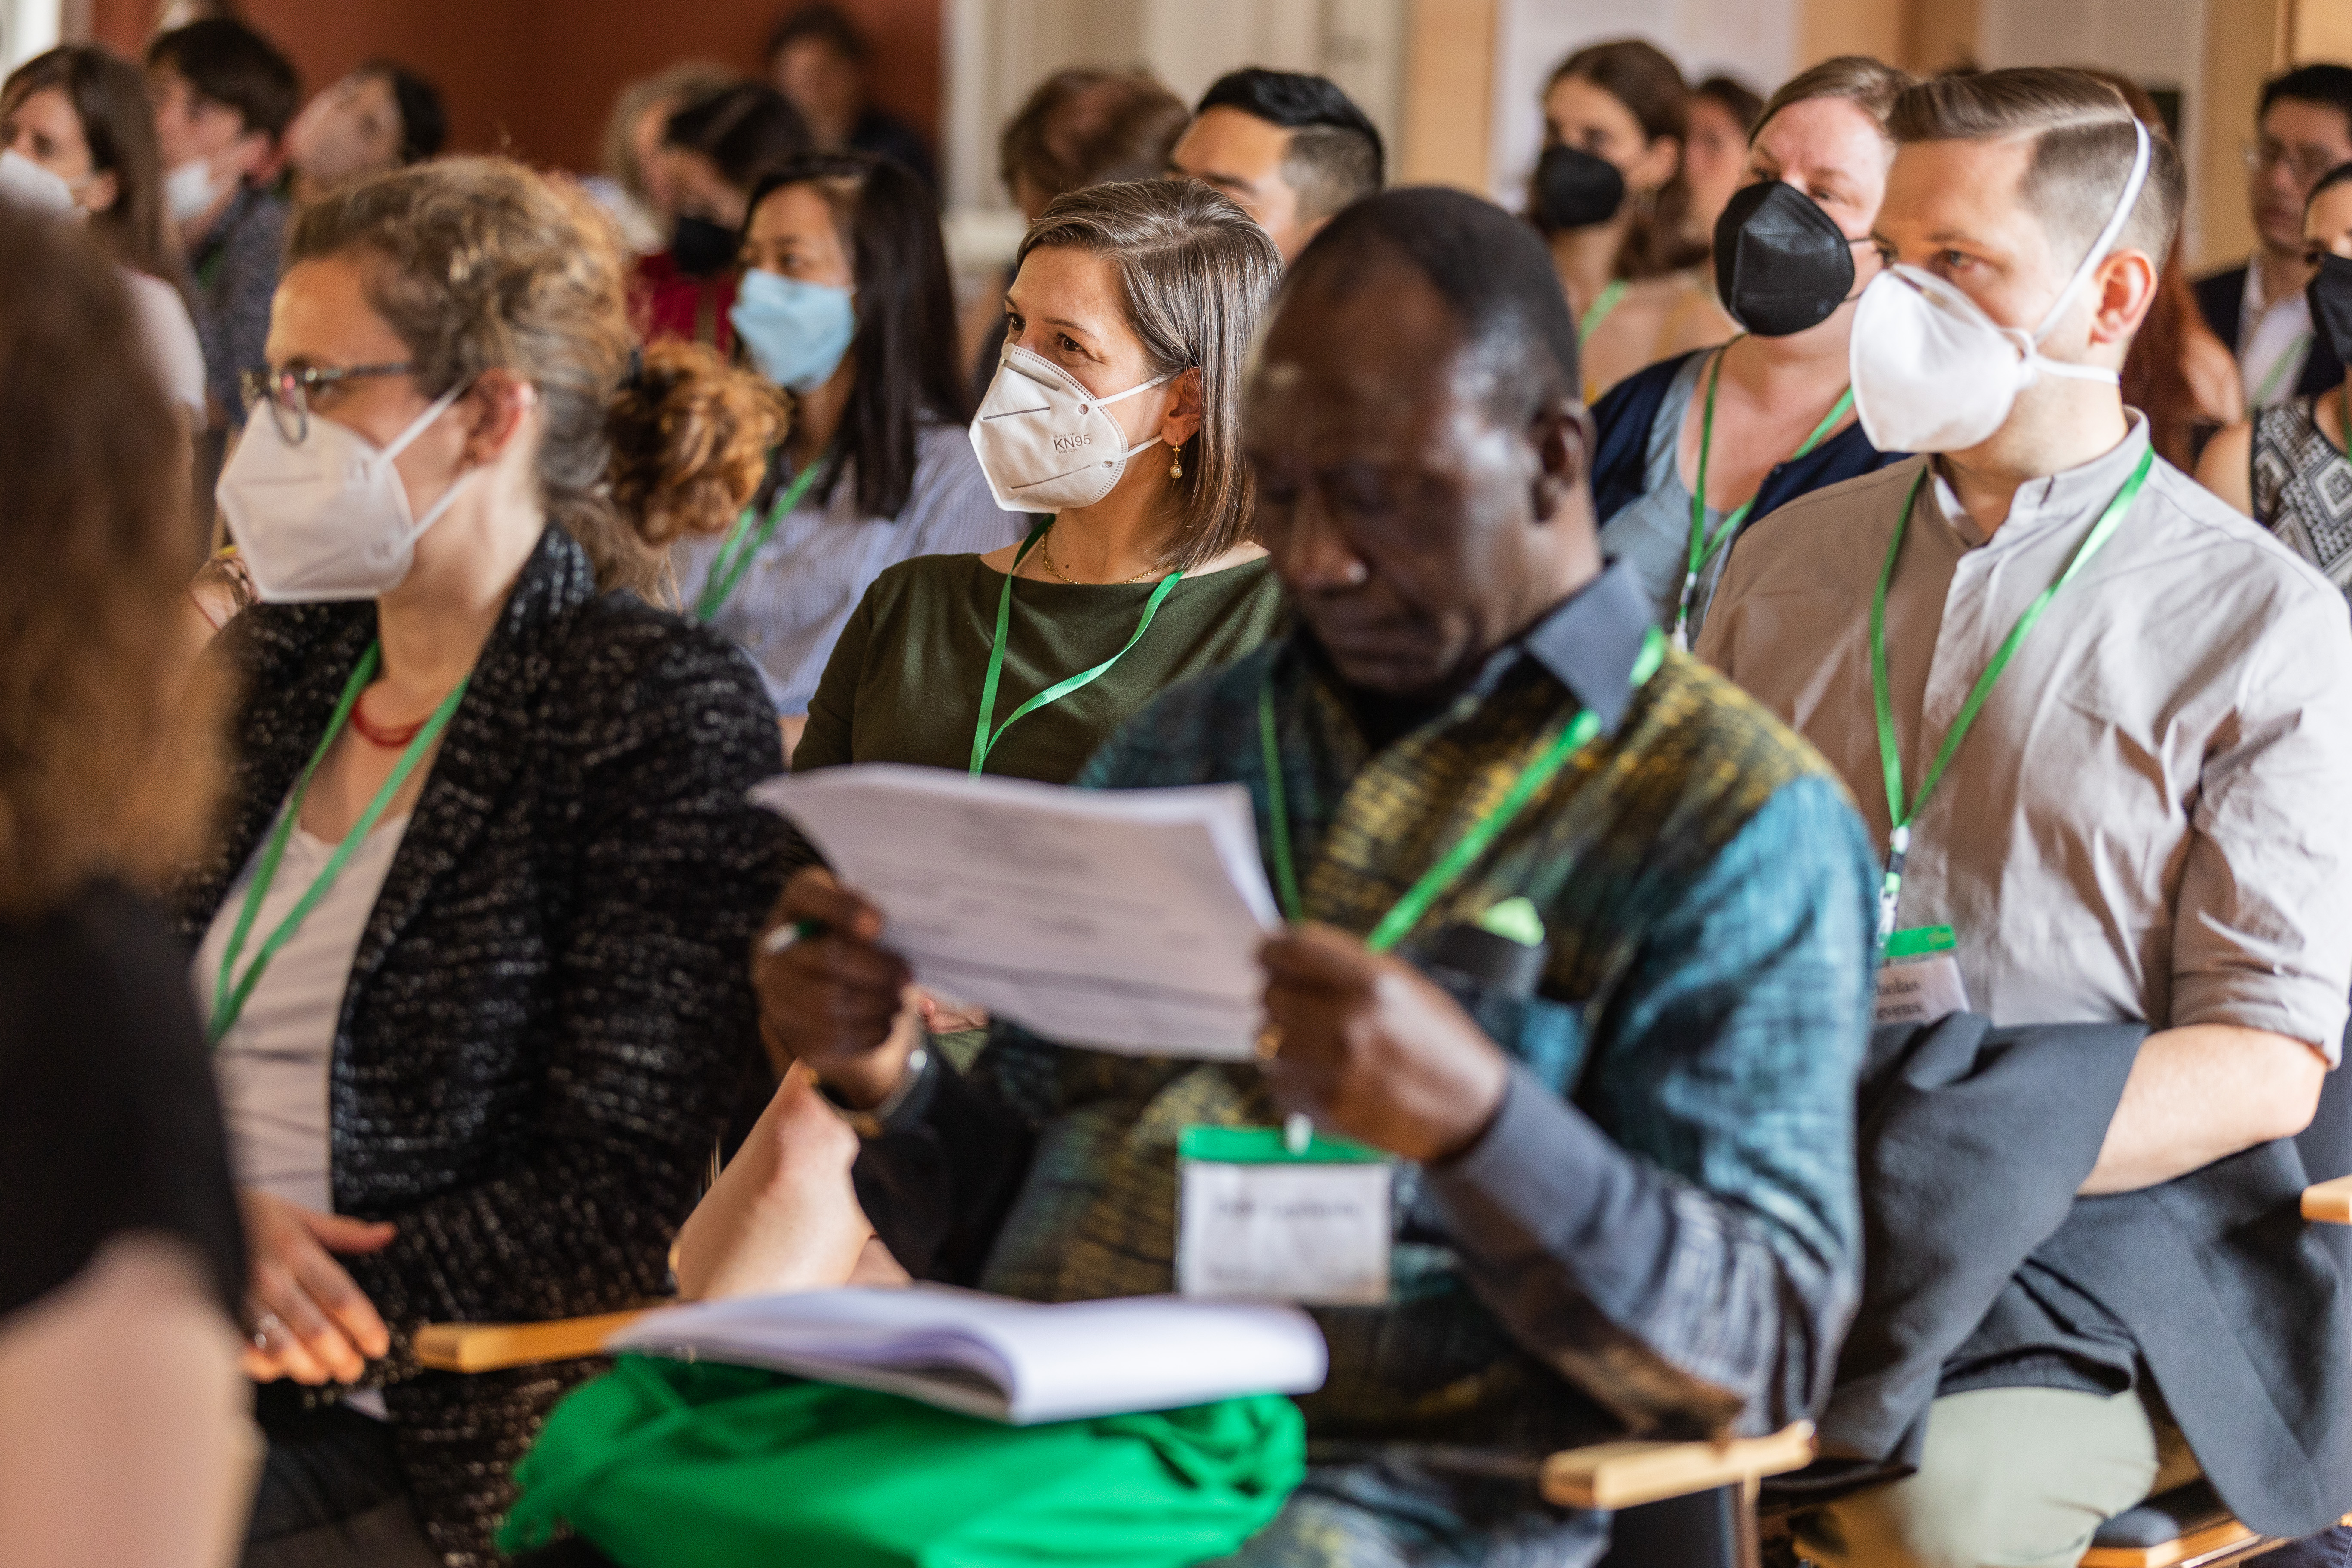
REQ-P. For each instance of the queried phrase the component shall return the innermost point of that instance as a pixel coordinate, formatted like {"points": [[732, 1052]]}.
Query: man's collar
{"points": [[1591, 640], [1588, 642], [2052, 500]]}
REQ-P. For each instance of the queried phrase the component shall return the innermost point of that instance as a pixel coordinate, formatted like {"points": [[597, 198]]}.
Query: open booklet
{"points": [[1124, 919], [1012, 1360]]}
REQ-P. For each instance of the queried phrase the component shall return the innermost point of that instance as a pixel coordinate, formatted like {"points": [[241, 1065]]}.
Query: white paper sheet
{"points": [[1125, 920], [1011, 1361]]}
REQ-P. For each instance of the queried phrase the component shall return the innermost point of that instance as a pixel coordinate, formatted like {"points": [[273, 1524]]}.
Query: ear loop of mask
{"points": [[1123, 397], [402, 442], [2098, 253]]}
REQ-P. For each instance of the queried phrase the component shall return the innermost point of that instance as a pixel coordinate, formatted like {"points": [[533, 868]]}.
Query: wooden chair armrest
{"points": [[2328, 1203], [1626, 1474], [495, 1347]]}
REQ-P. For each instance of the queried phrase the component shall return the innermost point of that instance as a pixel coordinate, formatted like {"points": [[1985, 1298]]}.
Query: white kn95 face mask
{"points": [[326, 519], [1045, 441], [1932, 373]]}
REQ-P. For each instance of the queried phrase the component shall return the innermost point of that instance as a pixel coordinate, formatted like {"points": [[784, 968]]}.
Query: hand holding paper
{"points": [[1373, 1050], [836, 998], [1125, 920]]}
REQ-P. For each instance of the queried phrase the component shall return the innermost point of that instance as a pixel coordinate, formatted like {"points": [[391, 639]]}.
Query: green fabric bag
{"points": [[663, 1463]]}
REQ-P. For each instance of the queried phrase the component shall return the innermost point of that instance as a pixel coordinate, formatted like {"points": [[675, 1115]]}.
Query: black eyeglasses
{"points": [[287, 392]]}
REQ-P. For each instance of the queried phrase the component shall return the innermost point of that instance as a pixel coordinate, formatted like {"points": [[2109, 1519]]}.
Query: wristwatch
{"points": [[874, 1121]]}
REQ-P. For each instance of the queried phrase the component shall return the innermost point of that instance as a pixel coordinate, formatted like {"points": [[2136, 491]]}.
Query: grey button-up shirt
{"points": [[2149, 819]]}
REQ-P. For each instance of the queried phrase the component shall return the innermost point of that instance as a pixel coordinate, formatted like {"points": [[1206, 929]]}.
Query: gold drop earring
{"points": [[1175, 462]]}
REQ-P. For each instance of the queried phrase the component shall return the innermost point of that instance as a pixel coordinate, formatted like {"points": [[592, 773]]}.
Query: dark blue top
{"points": [[1621, 459]]}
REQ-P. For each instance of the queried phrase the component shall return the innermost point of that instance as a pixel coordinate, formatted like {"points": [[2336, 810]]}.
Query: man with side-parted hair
{"points": [[2099, 724], [1291, 149]]}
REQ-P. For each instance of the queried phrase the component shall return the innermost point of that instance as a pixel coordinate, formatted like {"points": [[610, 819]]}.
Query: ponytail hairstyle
{"points": [[1650, 87], [478, 263]]}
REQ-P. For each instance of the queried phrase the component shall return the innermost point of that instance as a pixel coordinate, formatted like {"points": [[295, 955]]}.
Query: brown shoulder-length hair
{"points": [[478, 263], [109, 762], [1195, 274], [109, 97], [1639, 75]]}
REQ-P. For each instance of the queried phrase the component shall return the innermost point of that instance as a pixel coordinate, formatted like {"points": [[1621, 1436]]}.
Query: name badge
{"points": [[1256, 1222], [1919, 982]]}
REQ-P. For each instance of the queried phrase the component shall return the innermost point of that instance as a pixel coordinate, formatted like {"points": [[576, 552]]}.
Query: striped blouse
{"points": [[789, 608]]}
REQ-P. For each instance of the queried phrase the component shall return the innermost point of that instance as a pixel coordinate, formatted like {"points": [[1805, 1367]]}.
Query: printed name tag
{"points": [[1919, 983], [1256, 1222]]}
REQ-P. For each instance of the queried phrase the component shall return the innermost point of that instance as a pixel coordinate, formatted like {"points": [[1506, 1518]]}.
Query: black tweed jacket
{"points": [[550, 1008]]}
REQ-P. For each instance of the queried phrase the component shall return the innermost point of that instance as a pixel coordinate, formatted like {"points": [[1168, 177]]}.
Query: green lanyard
{"points": [[1890, 755], [735, 555], [1598, 311], [229, 996], [983, 739], [2278, 371], [1703, 549], [1464, 853]]}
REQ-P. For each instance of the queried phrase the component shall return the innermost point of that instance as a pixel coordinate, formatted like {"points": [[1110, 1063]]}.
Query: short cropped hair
{"points": [[2084, 137], [233, 66], [1870, 85], [2328, 86], [1086, 127], [1336, 157], [1491, 269]]}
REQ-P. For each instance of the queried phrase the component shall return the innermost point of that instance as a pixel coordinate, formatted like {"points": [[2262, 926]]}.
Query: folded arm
{"points": [[2200, 1094]]}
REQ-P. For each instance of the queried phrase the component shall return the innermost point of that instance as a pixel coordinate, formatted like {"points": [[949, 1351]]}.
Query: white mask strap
{"points": [[2108, 235], [2079, 372], [423, 421], [1130, 392]]}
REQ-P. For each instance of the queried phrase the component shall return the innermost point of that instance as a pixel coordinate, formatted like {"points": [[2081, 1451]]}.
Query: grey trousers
{"points": [[2011, 1477]]}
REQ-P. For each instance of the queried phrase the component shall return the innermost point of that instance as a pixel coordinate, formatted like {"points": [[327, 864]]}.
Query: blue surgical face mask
{"points": [[797, 332]]}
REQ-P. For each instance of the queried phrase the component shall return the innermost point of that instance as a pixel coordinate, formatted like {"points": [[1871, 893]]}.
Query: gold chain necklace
{"points": [[1045, 553]]}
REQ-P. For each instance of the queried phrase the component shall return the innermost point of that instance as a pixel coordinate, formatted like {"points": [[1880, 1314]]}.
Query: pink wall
{"points": [[535, 77]]}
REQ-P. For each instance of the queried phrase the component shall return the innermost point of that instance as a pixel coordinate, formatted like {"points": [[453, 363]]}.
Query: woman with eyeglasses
{"points": [[471, 936], [1696, 449]]}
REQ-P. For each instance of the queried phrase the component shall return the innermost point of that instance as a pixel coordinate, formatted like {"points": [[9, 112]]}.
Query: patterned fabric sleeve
{"points": [[1694, 1269]]}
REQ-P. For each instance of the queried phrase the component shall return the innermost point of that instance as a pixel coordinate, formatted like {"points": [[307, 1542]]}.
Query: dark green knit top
{"points": [[904, 682]]}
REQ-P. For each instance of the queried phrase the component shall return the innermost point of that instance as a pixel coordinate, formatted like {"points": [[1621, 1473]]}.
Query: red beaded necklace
{"points": [[390, 739]]}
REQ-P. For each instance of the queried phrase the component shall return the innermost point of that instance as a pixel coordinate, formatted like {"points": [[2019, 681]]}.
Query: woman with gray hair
{"points": [[1113, 420]]}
